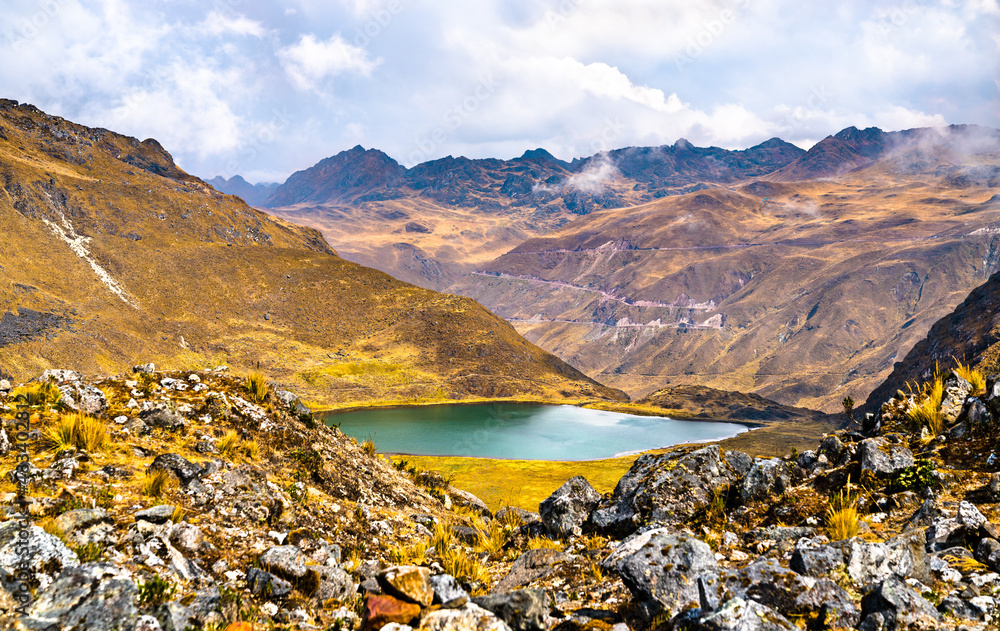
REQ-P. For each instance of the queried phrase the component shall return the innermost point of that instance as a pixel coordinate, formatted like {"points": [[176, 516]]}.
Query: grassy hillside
{"points": [[113, 256]]}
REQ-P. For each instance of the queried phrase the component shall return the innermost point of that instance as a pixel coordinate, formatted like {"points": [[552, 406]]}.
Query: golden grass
{"points": [[520, 483], [595, 572], [43, 395], [257, 388], [510, 519], [250, 449], [926, 410], [229, 444], [414, 554], [78, 431], [965, 565], [368, 446], [442, 538], [156, 483], [538, 542], [492, 537], [842, 521], [464, 567], [973, 376]]}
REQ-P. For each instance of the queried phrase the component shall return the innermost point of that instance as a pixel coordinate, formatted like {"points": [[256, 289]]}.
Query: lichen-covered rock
{"points": [[83, 397], [87, 525], [530, 566], [333, 584], [185, 470], [893, 605], [904, 556], [883, 459], [738, 614], [265, 584], [766, 477], [522, 610], [816, 560], [162, 417], [159, 514], [471, 617], [25, 547], [665, 567], [408, 582], [89, 596], [565, 511], [286, 561], [667, 488], [791, 594], [468, 500], [446, 589]]}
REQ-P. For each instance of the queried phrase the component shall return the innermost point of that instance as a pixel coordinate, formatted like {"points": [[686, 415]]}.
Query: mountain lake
{"points": [[521, 431]]}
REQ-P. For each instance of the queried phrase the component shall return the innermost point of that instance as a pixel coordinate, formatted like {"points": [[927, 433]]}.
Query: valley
{"points": [[802, 276]]}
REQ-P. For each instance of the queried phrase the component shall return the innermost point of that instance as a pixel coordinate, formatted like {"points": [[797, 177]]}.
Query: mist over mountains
{"points": [[798, 275]]}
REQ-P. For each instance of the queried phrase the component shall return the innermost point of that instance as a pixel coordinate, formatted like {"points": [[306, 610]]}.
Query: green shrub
{"points": [[915, 478], [156, 591]]}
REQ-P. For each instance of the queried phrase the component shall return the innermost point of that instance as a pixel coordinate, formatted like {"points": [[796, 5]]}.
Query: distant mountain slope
{"points": [[440, 219], [970, 333], [852, 148], [112, 256], [803, 291], [253, 194]]}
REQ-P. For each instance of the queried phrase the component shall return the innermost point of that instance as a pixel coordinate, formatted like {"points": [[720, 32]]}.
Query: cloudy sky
{"points": [[265, 88]]}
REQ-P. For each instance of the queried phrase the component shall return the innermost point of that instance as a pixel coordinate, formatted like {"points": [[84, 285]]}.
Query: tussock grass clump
{"points": [[926, 409], [250, 449], [409, 555], [155, 591], [492, 537], [368, 446], [965, 565], [842, 520], [442, 539], [539, 541], [78, 431], [156, 483], [973, 376], [229, 444], [257, 388], [464, 567], [42, 395], [89, 552]]}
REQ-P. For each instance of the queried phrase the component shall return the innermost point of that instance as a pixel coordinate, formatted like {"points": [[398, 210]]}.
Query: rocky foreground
{"points": [[198, 500]]}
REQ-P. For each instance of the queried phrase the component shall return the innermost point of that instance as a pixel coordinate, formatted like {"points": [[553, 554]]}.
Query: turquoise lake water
{"points": [[524, 432]]}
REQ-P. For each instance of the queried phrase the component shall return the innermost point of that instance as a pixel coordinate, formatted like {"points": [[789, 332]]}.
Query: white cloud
{"points": [[899, 117], [310, 60], [217, 23], [574, 76], [184, 104]]}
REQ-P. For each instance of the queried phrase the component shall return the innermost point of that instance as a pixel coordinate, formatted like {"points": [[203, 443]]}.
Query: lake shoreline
{"points": [[506, 430], [751, 424]]}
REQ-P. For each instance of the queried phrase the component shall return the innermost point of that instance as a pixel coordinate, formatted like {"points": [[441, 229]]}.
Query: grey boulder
{"points": [[565, 511], [893, 605], [667, 488], [665, 567], [522, 610]]}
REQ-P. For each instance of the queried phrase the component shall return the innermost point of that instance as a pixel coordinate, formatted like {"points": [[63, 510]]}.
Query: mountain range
{"points": [[112, 254], [799, 275]]}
